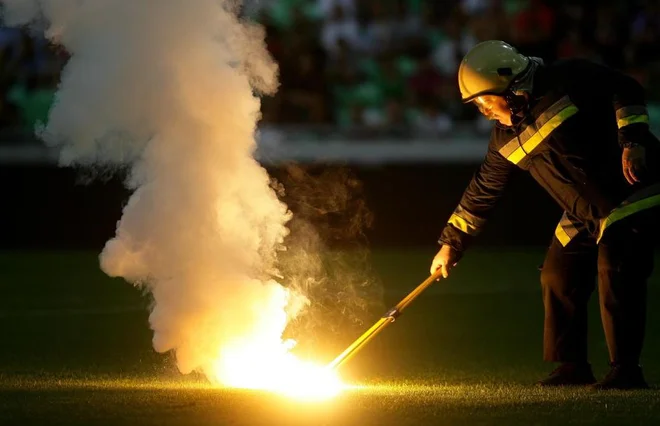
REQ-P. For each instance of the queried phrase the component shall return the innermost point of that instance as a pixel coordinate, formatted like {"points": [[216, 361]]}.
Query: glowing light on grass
{"points": [[245, 366], [262, 360]]}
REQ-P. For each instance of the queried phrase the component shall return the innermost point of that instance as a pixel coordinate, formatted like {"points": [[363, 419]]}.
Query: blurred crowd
{"points": [[381, 67], [389, 66], [29, 74]]}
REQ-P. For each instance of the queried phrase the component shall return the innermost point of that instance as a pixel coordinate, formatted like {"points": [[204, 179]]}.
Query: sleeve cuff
{"points": [[632, 114]]}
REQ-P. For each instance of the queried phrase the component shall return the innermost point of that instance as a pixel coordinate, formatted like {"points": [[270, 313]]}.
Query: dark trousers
{"points": [[621, 265]]}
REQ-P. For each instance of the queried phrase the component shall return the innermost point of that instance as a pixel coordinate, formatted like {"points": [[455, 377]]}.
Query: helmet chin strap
{"points": [[518, 105]]}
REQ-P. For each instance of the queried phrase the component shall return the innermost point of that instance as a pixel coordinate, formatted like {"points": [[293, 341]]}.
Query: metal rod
{"points": [[383, 322]]}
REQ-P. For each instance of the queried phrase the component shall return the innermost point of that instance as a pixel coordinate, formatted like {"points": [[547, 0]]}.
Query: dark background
{"points": [[45, 207]]}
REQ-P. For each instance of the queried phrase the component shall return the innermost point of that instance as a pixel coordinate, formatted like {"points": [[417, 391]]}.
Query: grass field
{"points": [[75, 349]]}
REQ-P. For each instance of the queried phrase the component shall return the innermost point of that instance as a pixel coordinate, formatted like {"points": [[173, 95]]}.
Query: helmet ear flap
{"points": [[517, 102]]}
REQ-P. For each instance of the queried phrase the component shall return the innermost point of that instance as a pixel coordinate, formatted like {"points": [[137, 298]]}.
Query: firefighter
{"points": [[581, 130]]}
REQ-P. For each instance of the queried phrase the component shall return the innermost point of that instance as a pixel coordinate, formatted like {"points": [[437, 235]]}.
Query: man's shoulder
{"points": [[572, 62], [569, 68], [565, 76]]}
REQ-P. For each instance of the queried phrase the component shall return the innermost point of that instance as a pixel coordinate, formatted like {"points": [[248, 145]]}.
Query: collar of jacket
{"points": [[528, 83]]}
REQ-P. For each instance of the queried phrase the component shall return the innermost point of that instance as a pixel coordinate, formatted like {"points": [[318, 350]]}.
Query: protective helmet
{"points": [[489, 68]]}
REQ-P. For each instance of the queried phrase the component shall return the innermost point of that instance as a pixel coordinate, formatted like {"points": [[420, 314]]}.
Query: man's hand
{"points": [[633, 161], [445, 260]]}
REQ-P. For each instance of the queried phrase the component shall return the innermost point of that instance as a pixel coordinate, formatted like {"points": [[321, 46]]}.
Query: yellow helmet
{"points": [[489, 68]]}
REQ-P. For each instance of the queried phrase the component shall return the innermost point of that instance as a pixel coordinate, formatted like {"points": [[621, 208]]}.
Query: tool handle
{"points": [[386, 319], [417, 291]]}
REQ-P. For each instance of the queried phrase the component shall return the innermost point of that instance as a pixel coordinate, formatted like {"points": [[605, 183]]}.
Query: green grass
{"points": [[75, 349]]}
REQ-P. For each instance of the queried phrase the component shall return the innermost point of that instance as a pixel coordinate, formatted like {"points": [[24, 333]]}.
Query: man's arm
{"points": [[627, 97], [629, 103], [479, 199]]}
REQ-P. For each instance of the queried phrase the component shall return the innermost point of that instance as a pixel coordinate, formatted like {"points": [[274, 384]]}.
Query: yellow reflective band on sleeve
{"points": [[463, 225], [632, 119], [562, 236], [624, 211], [631, 110]]}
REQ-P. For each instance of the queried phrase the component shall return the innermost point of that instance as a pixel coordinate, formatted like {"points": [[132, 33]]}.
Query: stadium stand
{"points": [[369, 69]]}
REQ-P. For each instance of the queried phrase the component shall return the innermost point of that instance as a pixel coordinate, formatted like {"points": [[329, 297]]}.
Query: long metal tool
{"points": [[389, 317]]}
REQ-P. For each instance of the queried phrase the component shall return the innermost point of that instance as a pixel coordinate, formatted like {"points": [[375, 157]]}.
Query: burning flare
{"points": [[245, 366], [262, 360]]}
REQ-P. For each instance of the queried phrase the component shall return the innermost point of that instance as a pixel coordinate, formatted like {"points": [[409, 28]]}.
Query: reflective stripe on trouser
{"points": [[517, 148], [641, 200], [466, 221], [631, 114], [567, 229], [622, 262]]}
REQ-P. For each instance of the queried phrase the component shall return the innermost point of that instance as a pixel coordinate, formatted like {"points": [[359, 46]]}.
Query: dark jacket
{"points": [[580, 117]]}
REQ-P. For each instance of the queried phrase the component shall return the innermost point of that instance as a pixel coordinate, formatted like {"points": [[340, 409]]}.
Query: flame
{"points": [[261, 360], [258, 365]]}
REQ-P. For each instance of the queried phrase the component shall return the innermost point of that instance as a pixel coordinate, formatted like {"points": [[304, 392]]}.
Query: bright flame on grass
{"points": [[260, 359], [245, 366]]}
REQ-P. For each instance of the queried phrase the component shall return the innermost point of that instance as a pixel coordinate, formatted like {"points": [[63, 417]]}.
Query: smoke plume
{"points": [[327, 256], [170, 88]]}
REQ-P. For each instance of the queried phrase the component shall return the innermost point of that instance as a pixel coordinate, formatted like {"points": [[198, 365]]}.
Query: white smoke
{"points": [[168, 88]]}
